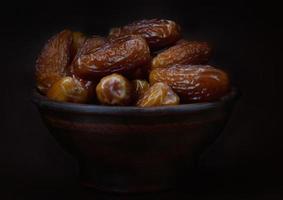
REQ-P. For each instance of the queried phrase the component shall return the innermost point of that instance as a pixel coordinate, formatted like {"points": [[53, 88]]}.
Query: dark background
{"points": [[244, 163]]}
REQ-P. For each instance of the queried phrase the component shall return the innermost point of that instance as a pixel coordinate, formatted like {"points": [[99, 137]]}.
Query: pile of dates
{"points": [[145, 63]]}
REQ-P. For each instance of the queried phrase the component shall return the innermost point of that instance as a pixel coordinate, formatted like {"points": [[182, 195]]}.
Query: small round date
{"points": [[193, 83], [70, 89], [159, 94], [114, 90]]}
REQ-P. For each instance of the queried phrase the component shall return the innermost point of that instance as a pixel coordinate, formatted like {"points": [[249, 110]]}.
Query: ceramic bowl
{"points": [[131, 149]]}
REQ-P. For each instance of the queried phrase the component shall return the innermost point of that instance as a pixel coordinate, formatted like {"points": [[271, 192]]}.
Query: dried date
{"points": [[193, 83], [184, 52], [114, 90], [91, 44], [119, 55], [158, 33], [159, 94], [52, 63], [77, 42], [70, 89]]}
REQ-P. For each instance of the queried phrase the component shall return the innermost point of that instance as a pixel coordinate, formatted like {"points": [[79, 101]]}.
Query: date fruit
{"points": [[91, 44], [78, 41], [157, 32], [193, 83], [184, 52], [69, 89], [139, 88], [52, 63], [114, 90], [159, 94], [115, 56]]}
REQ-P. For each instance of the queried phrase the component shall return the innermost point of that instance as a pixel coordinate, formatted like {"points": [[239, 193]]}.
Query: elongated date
{"points": [[118, 55], [157, 32], [184, 52], [52, 63], [193, 83], [159, 94]]}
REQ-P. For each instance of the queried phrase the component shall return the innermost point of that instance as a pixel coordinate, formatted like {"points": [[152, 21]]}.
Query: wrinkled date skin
{"points": [[91, 44], [159, 94], [193, 83], [114, 90], [184, 52], [52, 63], [115, 56], [139, 88], [70, 89], [158, 33], [77, 42]]}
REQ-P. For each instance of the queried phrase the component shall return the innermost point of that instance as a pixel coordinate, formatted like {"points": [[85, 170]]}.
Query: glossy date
{"points": [[119, 55], [184, 52], [78, 40], [114, 90], [193, 83], [52, 63], [159, 94], [70, 89], [158, 33]]}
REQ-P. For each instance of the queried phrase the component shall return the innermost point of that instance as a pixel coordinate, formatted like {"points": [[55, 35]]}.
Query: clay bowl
{"points": [[131, 149]]}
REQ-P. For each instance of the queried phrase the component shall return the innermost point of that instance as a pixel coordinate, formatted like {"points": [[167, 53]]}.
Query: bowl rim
{"points": [[44, 103]]}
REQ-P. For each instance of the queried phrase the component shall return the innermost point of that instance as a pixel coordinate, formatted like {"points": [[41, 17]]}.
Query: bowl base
{"points": [[147, 189]]}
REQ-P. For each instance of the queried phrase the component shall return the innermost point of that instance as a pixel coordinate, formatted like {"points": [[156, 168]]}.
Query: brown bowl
{"points": [[131, 149]]}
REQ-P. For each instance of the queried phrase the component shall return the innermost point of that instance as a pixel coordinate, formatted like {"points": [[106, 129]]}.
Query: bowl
{"points": [[132, 149]]}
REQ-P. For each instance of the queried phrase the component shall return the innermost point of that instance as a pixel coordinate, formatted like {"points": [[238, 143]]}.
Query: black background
{"points": [[244, 163]]}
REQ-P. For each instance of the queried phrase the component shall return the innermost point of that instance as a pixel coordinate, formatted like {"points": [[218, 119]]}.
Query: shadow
{"points": [[193, 192]]}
